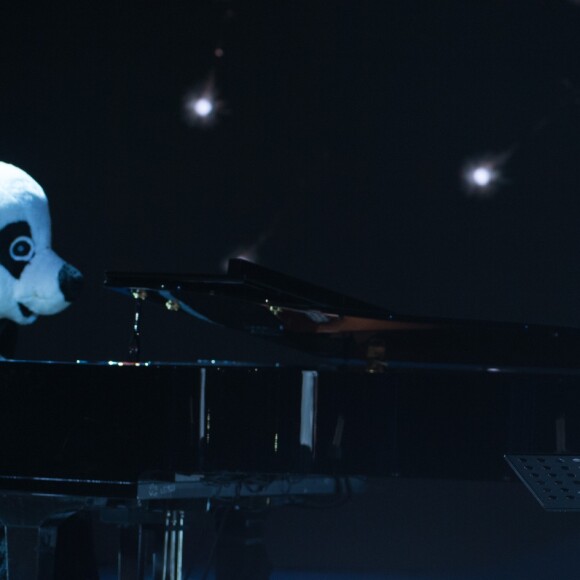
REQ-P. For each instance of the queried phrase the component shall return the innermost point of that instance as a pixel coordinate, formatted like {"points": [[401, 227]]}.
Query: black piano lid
{"points": [[304, 316], [250, 282]]}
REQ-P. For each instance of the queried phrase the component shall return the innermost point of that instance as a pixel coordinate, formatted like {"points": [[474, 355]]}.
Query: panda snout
{"points": [[70, 281]]}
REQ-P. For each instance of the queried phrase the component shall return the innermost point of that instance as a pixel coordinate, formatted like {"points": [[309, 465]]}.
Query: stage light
{"points": [[480, 178], [202, 107], [483, 176]]}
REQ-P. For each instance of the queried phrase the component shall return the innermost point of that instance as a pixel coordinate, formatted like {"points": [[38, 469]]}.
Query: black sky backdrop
{"points": [[339, 148]]}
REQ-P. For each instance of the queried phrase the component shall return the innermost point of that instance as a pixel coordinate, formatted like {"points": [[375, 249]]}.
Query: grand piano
{"points": [[385, 395]]}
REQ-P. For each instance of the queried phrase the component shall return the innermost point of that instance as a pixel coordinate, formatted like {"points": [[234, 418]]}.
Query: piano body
{"points": [[390, 396]]}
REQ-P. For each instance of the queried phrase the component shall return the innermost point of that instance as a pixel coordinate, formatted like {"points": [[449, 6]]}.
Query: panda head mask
{"points": [[34, 280]]}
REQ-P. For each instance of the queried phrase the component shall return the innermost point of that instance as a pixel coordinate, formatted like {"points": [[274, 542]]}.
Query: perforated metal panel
{"points": [[554, 480]]}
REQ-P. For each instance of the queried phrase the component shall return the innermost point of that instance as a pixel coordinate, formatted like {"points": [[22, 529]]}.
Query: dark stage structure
{"points": [[141, 446]]}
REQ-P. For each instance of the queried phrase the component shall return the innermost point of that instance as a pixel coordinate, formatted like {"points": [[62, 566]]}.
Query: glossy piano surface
{"points": [[343, 330], [396, 394], [123, 423], [386, 395], [90, 421]]}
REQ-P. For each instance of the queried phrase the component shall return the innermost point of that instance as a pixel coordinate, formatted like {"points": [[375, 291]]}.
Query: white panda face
{"points": [[34, 280]]}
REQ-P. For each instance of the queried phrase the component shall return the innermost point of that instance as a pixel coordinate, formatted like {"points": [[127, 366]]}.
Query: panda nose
{"points": [[70, 281]]}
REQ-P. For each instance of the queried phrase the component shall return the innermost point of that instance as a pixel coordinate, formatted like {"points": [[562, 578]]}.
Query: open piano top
{"points": [[346, 331]]}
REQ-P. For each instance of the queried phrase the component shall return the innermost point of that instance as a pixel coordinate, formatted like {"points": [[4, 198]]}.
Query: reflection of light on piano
{"points": [[172, 305], [207, 426], [202, 416], [308, 409], [317, 316], [276, 443], [250, 254], [114, 363]]}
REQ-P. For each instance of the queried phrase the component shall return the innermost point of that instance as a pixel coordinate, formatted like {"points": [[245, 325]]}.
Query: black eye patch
{"points": [[16, 247]]}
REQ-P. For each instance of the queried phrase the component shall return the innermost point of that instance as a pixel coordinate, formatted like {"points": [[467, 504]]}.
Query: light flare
{"points": [[201, 106], [483, 176]]}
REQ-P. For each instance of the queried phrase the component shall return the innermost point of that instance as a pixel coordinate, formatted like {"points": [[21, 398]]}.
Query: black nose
{"points": [[70, 281]]}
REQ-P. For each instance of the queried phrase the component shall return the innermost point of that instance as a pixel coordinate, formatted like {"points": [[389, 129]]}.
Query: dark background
{"points": [[337, 156], [338, 152]]}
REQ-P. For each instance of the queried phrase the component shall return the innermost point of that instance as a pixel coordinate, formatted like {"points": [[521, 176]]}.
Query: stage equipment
{"points": [[383, 395]]}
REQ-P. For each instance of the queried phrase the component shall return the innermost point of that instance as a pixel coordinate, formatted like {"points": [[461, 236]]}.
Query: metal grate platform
{"points": [[554, 480]]}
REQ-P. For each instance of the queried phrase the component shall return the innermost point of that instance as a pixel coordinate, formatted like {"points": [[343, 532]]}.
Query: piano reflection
{"points": [[388, 396]]}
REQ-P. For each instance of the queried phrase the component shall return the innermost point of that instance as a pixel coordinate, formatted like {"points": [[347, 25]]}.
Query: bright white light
{"points": [[202, 107], [482, 176], [250, 254]]}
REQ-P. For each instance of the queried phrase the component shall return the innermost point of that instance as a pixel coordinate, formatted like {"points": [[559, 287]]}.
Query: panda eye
{"points": [[22, 249]]}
